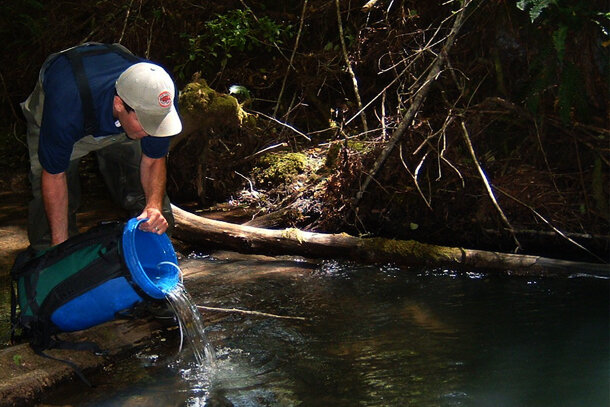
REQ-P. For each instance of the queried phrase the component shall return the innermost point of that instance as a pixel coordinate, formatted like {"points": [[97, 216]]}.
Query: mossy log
{"points": [[195, 229], [202, 109]]}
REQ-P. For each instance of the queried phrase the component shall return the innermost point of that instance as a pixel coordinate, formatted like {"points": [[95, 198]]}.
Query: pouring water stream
{"points": [[189, 321]]}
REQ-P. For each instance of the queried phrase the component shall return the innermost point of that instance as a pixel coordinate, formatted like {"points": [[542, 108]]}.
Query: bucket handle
{"points": [[164, 263]]}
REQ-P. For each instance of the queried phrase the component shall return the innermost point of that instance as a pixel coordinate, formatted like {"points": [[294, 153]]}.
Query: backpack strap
{"points": [[59, 344]]}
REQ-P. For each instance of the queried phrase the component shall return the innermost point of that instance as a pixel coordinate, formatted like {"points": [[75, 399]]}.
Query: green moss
{"points": [[293, 233], [417, 251], [212, 109], [359, 146], [277, 168], [332, 155]]}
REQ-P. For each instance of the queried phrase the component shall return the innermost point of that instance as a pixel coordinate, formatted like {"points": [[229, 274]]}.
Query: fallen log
{"points": [[247, 239]]}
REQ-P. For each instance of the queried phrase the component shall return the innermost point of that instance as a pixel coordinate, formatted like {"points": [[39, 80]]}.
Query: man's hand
{"points": [[156, 221]]}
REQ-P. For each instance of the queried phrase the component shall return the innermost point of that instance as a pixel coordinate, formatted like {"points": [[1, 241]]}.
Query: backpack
{"points": [[75, 285], [89, 278]]}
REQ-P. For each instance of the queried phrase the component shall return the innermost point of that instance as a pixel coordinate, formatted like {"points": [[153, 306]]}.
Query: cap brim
{"points": [[161, 126]]}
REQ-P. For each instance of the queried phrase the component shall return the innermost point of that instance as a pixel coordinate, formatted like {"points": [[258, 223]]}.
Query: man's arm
{"points": [[153, 176], [55, 197]]}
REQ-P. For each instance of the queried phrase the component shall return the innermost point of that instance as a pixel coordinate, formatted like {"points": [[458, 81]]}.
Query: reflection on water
{"points": [[376, 336]]}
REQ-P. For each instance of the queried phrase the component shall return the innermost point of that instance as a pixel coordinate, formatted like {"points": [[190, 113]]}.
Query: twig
{"points": [[349, 68], [414, 178], [384, 127], [559, 232], [376, 97], [488, 186], [252, 191], [294, 50], [265, 150], [433, 71], [125, 22], [282, 123], [257, 313]]}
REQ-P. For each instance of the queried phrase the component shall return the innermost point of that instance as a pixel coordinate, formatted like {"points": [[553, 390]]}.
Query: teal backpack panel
{"points": [[75, 285]]}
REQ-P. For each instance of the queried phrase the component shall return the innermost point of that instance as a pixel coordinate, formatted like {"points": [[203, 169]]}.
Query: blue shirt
{"points": [[62, 118]]}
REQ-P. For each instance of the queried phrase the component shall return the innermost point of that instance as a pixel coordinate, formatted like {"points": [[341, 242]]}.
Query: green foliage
{"points": [[553, 73], [22, 22], [230, 35], [241, 93], [534, 7]]}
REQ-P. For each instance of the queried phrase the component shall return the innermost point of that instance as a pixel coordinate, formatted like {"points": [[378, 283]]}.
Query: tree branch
{"points": [[294, 50], [434, 70], [488, 187], [365, 126]]}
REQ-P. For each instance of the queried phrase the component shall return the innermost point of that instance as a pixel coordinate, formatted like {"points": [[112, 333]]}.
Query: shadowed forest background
{"points": [[288, 105]]}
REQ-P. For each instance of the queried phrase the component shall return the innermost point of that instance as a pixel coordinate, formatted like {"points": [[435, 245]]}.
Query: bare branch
{"points": [[488, 186], [300, 133], [349, 69], [414, 178], [246, 312], [294, 50], [433, 72], [542, 218]]}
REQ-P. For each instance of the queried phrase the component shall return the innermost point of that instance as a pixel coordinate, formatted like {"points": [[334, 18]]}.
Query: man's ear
{"points": [[117, 104]]}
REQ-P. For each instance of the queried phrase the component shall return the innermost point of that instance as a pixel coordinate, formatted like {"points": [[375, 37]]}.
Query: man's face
{"points": [[129, 121], [131, 125]]}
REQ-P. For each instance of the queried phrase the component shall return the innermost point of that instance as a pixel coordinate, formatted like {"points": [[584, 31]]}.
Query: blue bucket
{"points": [[153, 268], [151, 259]]}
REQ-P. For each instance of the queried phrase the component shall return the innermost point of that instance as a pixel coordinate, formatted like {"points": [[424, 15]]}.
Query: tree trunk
{"points": [[195, 229]]}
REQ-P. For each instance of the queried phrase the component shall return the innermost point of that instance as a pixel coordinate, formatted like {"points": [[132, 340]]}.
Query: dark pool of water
{"points": [[376, 336]]}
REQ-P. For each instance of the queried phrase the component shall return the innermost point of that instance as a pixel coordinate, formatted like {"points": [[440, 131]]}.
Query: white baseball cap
{"points": [[149, 90]]}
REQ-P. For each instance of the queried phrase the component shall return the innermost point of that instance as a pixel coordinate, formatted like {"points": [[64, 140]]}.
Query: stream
{"points": [[372, 336]]}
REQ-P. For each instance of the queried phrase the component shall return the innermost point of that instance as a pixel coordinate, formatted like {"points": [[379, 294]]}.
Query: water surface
{"points": [[374, 336]]}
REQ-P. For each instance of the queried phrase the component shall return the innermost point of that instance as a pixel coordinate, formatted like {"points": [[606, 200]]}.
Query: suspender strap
{"points": [[76, 61]]}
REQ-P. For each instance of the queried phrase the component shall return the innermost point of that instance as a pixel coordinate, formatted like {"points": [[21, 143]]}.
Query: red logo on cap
{"points": [[165, 99]]}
